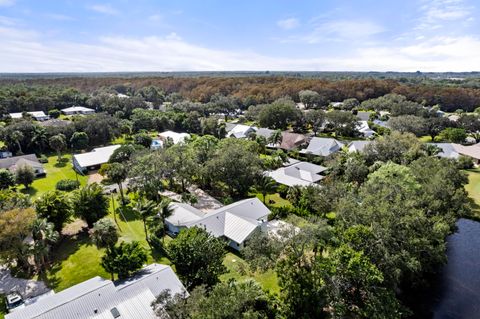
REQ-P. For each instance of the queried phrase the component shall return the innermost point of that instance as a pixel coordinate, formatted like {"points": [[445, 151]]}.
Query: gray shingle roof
{"points": [[30, 159], [322, 146]]}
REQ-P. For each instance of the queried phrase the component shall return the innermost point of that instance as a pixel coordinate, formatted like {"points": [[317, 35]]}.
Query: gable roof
{"points": [[176, 137], [448, 150], [35, 114], [292, 140], [96, 297], [363, 116], [322, 146], [183, 214], [12, 162], [472, 150], [358, 146], [265, 132], [78, 109], [365, 129], [97, 156], [241, 131], [250, 208], [300, 174]]}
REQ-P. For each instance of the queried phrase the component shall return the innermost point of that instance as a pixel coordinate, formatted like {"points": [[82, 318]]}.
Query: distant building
{"points": [[37, 115], [298, 174], [365, 129], [323, 146], [94, 159], [358, 146], [291, 140], [174, 136], [12, 163], [5, 154], [99, 298], [74, 110], [239, 130]]}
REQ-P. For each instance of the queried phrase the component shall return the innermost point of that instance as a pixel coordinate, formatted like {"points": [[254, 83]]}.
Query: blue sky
{"points": [[322, 35]]}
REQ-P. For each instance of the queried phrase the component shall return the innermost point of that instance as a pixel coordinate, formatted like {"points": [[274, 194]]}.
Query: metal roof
{"points": [[95, 298], [35, 114], [322, 146], [183, 214], [176, 137], [96, 157], [250, 208], [358, 146], [78, 109], [299, 174]]}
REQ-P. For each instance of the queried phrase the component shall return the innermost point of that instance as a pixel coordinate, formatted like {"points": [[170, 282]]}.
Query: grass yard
{"points": [[3, 308], [56, 171], [275, 198], [238, 270], [425, 139], [473, 189]]}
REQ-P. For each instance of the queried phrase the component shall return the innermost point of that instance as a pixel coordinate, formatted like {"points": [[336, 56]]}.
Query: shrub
{"points": [[282, 190], [67, 185], [54, 113], [464, 162], [43, 159]]}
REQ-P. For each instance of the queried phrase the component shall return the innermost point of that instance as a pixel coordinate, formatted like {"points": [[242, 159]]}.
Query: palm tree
{"points": [[275, 138], [39, 138], [165, 210], [17, 136], [44, 235], [145, 209], [264, 186]]}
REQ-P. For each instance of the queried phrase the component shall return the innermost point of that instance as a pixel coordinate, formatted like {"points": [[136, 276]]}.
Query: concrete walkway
{"points": [[25, 287]]}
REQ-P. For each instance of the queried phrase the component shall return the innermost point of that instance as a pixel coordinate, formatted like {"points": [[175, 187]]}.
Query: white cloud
{"points": [[288, 24], [28, 51], [436, 13], [104, 8], [7, 3]]}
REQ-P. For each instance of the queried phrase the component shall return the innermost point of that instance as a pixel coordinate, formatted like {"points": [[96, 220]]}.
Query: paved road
{"points": [[25, 287]]}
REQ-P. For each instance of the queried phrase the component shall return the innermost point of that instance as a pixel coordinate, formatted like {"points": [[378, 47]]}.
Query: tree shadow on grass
{"points": [[31, 191], [68, 246], [126, 213]]}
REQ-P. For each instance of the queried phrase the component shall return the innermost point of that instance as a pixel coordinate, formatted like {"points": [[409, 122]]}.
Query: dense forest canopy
{"points": [[43, 93]]}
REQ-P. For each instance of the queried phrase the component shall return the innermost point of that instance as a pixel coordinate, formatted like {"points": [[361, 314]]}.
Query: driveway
{"points": [[25, 287]]}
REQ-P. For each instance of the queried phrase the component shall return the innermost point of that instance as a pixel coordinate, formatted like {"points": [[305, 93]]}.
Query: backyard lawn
{"points": [[277, 201], [473, 188], [55, 171]]}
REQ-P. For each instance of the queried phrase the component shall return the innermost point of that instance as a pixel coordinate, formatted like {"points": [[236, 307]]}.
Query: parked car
{"points": [[14, 301]]}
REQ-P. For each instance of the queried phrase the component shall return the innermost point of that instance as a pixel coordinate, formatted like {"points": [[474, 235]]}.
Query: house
{"points": [[322, 146], [5, 154], [99, 298], [174, 136], [12, 163], [472, 151], [358, 146], [299, 174], [292, 140], [94, 159], [448, 150], [240, 131], [336, 104], [365, 129], [74, 110], [37, 115], [265, 132], [363, 116], [235, 223]]}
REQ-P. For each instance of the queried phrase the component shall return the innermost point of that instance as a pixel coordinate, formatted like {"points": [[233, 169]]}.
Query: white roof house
{"points": [[176, 137], [37, 115], [98, 298], [365, 129], [322, 146], [235, 222], [448, 150], [358, 146], [241, 131], [300, 174], [93, 159], [77, 110]]}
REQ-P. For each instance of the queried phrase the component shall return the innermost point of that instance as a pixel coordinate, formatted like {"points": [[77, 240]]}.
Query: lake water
{"points": [[457, 295]]}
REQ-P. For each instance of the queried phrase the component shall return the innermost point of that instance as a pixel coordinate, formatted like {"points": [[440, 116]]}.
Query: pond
{"points": [[457, 294]]}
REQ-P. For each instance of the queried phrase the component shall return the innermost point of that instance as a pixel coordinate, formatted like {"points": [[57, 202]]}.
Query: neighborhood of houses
{"points": [[234, 223]]}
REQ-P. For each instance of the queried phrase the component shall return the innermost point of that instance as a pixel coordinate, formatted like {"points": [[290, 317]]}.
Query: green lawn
{"points": [[238, 270], [277, 200], [3, 309], [55, 171], [425, 139], [473, 189]]}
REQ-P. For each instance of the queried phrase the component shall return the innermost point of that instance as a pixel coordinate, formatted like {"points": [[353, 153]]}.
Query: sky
{"points": [[239, 35]]}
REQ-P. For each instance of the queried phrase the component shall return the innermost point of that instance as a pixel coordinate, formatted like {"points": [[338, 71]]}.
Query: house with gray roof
{"points": [[93, 160], [99, 298], [448, 150], [77, 110], [298, 174], [291, 140], [12, 163], [36, 115], [265, 132], [323, 146], [235, 223], [240, 131], [358, 146]]}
